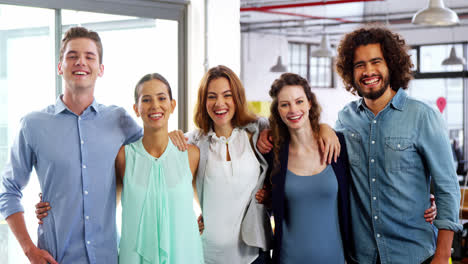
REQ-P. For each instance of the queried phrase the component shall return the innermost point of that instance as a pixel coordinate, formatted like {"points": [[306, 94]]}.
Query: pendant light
{"points": [[453, 59], [279, 67], [436, 14], [324, 49]]}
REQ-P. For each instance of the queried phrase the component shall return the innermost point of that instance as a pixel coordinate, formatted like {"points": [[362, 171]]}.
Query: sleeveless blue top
{"points": [[311, 232]]}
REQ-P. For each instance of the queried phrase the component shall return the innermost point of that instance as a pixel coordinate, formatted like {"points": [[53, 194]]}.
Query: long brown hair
{"points": [[241, 117], [394, 50], [279, 130]]}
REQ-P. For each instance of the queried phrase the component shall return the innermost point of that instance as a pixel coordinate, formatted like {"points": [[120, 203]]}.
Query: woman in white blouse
{"points": [[231, 171]]}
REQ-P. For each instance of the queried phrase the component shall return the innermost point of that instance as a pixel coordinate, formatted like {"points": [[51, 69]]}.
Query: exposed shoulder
{"points": [[194, 158], [120, 162], [193, 152], [120, 159]]}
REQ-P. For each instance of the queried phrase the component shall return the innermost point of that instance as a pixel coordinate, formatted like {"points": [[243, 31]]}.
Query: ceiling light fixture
{"points": [[436, 14], [453, 59], [279, 67], [325, 49]]}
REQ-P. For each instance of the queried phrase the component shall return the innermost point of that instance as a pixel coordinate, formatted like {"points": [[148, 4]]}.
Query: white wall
{"points": [[259, 54]]}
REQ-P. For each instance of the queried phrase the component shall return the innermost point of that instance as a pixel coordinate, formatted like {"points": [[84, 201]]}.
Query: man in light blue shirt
{"points": [[396, 145], [72, 145]]}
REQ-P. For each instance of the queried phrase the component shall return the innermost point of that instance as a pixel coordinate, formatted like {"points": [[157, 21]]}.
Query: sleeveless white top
{"points": [[227, 189]]}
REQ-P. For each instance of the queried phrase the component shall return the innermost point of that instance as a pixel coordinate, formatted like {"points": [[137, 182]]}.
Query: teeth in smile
{"points": [[294, 117], [221, 112], [80, 73], [155, 115], [372, 81]]}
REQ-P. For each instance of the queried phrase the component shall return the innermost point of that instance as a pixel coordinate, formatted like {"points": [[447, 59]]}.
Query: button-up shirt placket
{"points": [[87, 201], [373, 160]]}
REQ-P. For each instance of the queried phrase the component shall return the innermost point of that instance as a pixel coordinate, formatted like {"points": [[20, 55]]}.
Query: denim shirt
{"points": [[74, 159], [393, 157]]}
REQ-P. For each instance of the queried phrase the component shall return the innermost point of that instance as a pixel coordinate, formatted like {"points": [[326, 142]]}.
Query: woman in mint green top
{"points": [[158, 221]]}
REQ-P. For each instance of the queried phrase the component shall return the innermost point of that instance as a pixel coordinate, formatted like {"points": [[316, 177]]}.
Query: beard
{"points": [[372, 95]]}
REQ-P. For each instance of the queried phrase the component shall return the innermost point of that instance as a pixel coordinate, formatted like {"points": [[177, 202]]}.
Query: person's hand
{"points": [[264, 144], [263, 196], [39, 256], [41, 209], [431, 213], [329, 144], [179, 140], [201, 224]]}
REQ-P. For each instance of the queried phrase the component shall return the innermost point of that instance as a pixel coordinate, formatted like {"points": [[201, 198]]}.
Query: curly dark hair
{"points": [[394, 50], [279, 130]]}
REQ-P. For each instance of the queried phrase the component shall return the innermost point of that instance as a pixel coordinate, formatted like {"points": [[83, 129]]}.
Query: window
{"points": [[133, 46], [318, 71]]}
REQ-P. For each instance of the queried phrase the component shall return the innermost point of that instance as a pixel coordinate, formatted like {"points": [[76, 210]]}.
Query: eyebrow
{"points": [[300, 97], [227, 91], [371, 60], [158, 94], [75, 52]]}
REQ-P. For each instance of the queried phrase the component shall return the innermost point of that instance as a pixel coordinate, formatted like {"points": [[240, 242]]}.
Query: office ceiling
{"points": [[310, 19]]}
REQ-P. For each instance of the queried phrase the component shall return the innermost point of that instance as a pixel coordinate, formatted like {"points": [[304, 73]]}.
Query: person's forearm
{"points": [[444, 244], [18, 227]]}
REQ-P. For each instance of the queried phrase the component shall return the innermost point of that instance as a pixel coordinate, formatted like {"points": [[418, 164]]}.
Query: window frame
{"points": [[155, 9], [309, 74], [417, 74]]}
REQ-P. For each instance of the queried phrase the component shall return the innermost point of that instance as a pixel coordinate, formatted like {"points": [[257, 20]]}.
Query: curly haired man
{"points": [[396, 146]]}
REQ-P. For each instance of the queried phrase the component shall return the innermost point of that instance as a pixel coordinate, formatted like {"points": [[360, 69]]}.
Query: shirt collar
{"points": [[398, 101], [212, 135], [60, 106]]}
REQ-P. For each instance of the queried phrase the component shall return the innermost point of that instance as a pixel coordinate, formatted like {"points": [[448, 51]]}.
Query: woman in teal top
{"points": [[158, 221]]}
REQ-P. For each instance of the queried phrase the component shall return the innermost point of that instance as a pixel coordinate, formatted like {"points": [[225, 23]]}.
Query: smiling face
{"points": [[154, 104], [371, 76], [80, 64], [293, 106], [220, 103]]}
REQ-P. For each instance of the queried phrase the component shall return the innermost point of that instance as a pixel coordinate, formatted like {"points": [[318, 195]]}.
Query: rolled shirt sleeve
{"points": [[434, 145], [16, 173]]}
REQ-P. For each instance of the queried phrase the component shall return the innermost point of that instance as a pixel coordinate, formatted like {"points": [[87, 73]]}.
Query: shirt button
{"points": [[375, 121], [373, 179], [378, 235], [376, 217], [84, 166], [82, 142], [372, 160], [86, 192], [79, 118], [373, 142], [375, 198], [87, 217], [88, 242]]}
